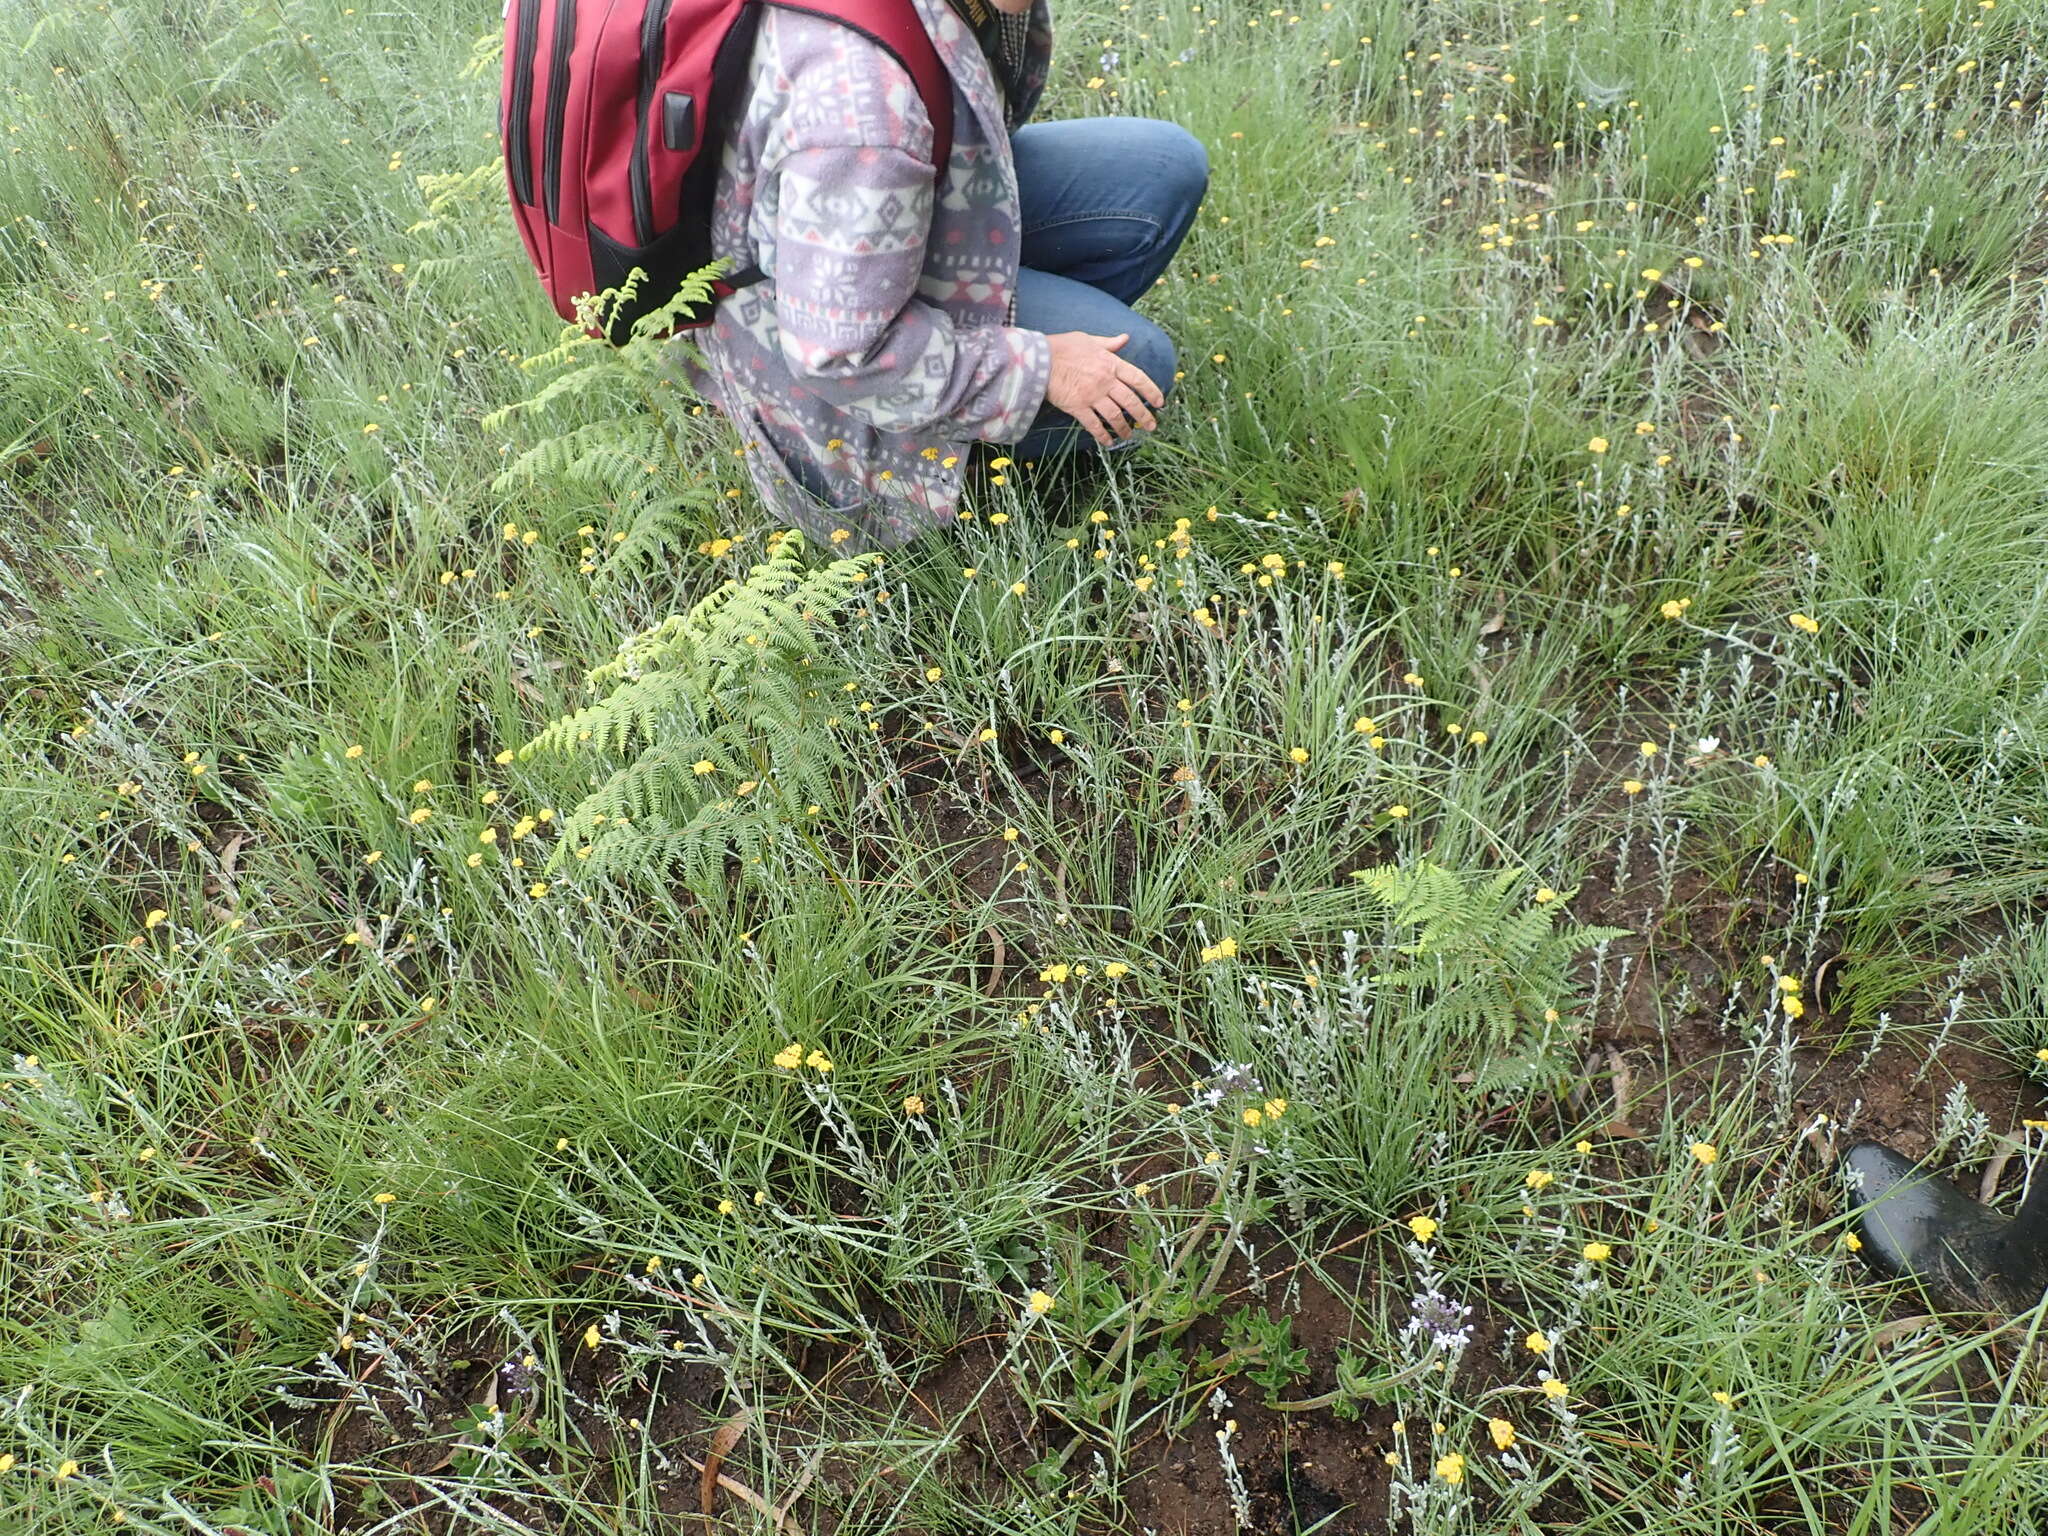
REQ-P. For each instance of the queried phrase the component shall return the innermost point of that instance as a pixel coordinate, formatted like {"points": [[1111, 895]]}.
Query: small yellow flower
{"points": [[1553, 1388], [726, 1207], [156, 915], [1451, 1468], [1545, 895], [1596, 1253], [503, 757], [914, 1105], [1704, 1152], [1297, 754], [488, 835], [421, 816], [537, 890], [819, 1060], [1503, 1433], [67, 1470], [1582, 1147], [933, 674], [591, 1337], [1275, 1108], [1424, 1227], [1648, 748], [1254, 1117], [790, 1057], [1397, 811], [1597, 445], [1538, 1342], [1852, 1242], [1725, 1399], [423, 787], [1539, 1178], [1039, 1304], [383, 1199], [1800, 621], [1018, 588], [1116, 970], [1631, 786], [702, 766]]}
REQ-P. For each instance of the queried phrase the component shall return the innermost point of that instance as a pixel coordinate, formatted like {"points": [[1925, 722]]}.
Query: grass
{"points": [[1608, 473]]}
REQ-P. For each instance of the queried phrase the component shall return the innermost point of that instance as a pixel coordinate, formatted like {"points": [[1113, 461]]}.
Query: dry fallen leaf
{"points": [[722, 1441]]}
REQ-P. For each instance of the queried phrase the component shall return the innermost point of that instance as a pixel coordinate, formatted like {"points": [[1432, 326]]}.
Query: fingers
{"points": [[1128, 404], [1142, 382], [1114, 342], [1092, 423]]}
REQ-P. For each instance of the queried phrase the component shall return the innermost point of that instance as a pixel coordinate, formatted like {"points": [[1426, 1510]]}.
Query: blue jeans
{"points": [[1107, 201]]}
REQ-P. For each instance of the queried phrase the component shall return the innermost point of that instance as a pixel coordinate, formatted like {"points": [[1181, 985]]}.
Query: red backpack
{"points": [[614, 114]]}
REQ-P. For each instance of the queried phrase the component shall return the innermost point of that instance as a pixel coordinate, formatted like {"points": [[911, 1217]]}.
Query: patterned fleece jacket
{"points": [[879, 347]]}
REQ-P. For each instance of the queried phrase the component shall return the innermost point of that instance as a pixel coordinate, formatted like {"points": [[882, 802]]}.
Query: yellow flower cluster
{"points": [[1257, 1115]]}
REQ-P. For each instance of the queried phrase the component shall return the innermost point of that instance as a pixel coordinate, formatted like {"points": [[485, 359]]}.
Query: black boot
{"points": [[1915, 1224]]}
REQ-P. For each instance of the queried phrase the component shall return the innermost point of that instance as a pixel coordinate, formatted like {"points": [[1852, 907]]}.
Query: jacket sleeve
{"points": [[850, 230]]}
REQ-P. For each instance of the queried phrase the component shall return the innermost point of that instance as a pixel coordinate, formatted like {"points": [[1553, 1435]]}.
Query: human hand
{"points": [[1104, 393]]}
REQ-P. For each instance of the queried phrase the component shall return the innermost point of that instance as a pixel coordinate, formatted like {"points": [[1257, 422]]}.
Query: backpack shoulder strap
{"points": [[896, 26]]}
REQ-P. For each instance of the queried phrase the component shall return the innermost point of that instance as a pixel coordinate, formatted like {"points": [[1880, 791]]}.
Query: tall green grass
{"points": [[1445, 459]]}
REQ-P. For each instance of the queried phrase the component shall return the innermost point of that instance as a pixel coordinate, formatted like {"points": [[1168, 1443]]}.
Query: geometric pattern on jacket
{"points": [[879, 347]]}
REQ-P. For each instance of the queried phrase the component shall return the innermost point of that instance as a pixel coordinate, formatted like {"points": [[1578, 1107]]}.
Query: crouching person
{"points": [[897, 321]]}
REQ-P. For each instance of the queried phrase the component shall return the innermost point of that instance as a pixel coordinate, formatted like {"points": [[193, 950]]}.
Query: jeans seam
{"points": [[1136, 214]]}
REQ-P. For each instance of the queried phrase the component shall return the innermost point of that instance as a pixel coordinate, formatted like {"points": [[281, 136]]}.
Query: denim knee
{"points": [[1152, 350], [1182, 163]]}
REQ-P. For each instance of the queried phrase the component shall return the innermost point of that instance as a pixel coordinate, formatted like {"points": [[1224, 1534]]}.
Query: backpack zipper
{"points": [[653, 26], [518, 140], [558, 105]]}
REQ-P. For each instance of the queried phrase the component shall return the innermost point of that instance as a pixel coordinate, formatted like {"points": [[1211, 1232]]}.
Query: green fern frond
{"points": [[1487, 953], [695, 293], [555, 389], [485, 55], [449, 192], [734, 685], [606, 453], [660, 527]]}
